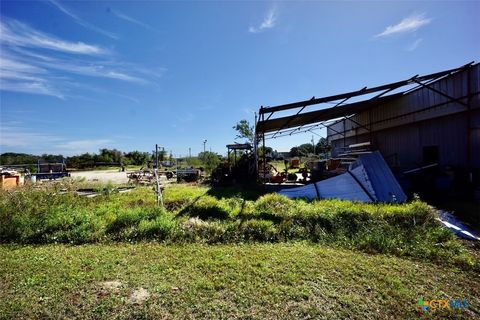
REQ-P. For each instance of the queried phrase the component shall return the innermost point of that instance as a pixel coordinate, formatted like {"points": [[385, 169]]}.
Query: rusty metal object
{"points": [[147, 176], [141, 177]]}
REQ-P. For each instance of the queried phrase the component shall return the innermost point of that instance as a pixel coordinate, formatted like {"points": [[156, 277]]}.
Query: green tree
{"points": [[322, 146], [305, 149], [268, 150], [18, 158], [109, 156], [294, 152], [137, 158], [210, 160], [194, 162], [302, 150], [244, 131]]}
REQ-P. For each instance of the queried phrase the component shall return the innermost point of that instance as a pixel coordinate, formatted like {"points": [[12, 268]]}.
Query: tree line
{"points": [[321, 147], [114, 157], [104, 157], [110, 157]]}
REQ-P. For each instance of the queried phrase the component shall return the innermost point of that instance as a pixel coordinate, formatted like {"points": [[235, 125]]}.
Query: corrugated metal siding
{"points": [[399, 145], [404, 137], [475, 138], [456, 86], [403, 146], [450, 135]]}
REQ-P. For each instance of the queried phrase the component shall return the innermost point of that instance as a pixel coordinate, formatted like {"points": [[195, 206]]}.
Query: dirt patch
{"points": [[113, 286], [114, 177], [176, 205], [139, 296]]}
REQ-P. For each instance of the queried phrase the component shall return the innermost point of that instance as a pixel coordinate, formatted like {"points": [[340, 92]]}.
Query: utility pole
{"points": [[158, 189], [313, 144], [255, 146], [204, 142], [189, 152]]}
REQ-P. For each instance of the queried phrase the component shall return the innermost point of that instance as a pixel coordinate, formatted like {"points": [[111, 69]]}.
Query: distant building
{"points": [[281, 155]]}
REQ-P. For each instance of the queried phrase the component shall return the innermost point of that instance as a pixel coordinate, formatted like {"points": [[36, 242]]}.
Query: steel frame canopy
{"points": [[306, 121], [303, 121]]}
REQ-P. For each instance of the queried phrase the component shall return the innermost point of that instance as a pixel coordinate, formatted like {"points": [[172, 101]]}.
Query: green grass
{"points": [[280, 166], [248, 281], [227, 215], [233, 253]]}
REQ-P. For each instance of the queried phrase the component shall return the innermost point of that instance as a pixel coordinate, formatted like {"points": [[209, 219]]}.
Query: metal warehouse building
{"points": [[425, 121], [438, 122]]}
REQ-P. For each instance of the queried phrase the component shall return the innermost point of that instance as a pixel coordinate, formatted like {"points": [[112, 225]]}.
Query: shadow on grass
{"points": [[205, 213], [205, 208], [247, 192]]}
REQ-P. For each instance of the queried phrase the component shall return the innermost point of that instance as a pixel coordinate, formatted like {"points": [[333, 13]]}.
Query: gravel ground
{"points": [[112, 176], [109, 176]]}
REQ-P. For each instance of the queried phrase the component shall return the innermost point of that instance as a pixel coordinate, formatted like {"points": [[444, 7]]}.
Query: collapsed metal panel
{"points": [[369, 179]]}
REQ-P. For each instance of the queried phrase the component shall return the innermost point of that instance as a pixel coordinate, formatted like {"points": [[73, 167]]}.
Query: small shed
{"points": [[234, 148]]}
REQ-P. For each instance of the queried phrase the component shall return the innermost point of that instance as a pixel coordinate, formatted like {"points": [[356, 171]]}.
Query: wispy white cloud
{"points": [[108, 94], [91, 69], [408, 24], [33, 87], [19, 34], [22, 77], [24, 74], [414, 45], [80, 146], [82, 22], [269, 21], [30, 54], [10, 64], [125, 17], [15, 134], [34, 62]]}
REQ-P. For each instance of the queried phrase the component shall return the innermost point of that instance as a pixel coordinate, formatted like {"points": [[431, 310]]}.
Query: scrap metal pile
{"points": [[147, 176], [367, 179]]}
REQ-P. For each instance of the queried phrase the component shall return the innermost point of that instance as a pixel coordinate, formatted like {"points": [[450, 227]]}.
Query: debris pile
{"points": [[368, 179]]}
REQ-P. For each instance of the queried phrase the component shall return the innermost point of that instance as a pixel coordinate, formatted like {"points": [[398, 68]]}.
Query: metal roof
{"points": [[239, 146], [267, 124], [320, 115]]}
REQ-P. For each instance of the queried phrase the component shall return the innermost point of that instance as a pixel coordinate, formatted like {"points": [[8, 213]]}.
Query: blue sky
{"points": [[79, 76]]}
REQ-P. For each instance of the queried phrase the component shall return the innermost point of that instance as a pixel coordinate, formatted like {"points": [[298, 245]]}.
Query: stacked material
{"points": [[10, 179]]}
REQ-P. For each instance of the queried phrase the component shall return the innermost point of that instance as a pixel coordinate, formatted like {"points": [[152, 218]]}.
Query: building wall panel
{"points": [[411, 129]]}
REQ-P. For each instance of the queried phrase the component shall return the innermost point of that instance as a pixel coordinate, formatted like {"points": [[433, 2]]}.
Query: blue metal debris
{"points": [[452, 223], [368, 179]]}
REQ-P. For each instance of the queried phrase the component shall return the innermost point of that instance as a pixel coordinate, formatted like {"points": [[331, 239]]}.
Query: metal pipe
{"points": [[264, 159], [255, 146]]}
